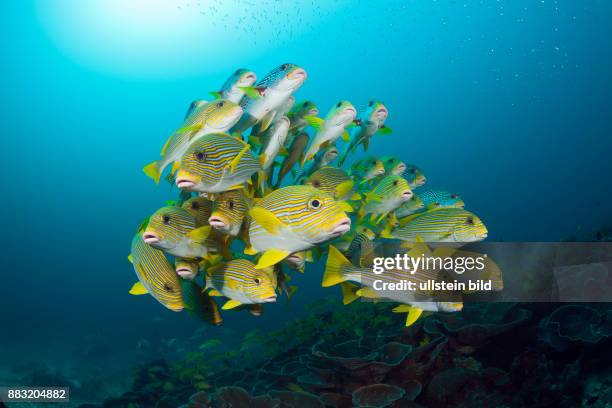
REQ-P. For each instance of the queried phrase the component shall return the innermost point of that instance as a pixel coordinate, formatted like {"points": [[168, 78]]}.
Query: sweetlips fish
{"points": [[334, 181], [366, 169], [330, 129], [361, 250], [268, 95], [340, 270], [294, 154], [324, 157], [156, 275], [232, 87], [272, 142], [241, 282], [393, 165], [414, 175], [173, 230], [215, 163], [297, 114], [441, 199], [297, 260], [199, 303], [213, 117], [452, 225], [186, 268], [412, 206], [195, 105], [293, 219], [229, 211], [389, 194], [370, 121], [200, 208]]}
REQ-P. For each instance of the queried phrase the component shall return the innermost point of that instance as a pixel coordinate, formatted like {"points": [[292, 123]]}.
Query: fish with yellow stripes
{"points": [[229, 211], [215, 163], [293, 219], [233, 87], [173, 230], [450, 225], [200, 208], [268, 95], [339, 270], [414, 175], [241, 282], [213, 117], [156, 275], [389, 194], [367, 169], [412, 206], [331, 128], [186, 268], [370, 121], [334, 181]]}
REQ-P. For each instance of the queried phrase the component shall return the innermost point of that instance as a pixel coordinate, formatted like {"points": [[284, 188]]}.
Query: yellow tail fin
{"points": [[152, 170], [333, 268], [349, 293], [413, 313]]}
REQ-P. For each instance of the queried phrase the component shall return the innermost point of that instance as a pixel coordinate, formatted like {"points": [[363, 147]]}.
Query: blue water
{"points": [[505, 102]]}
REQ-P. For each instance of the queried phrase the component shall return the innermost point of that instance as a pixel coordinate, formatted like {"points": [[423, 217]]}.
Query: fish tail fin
{"points": [[413, 313], [152, 171], [336, 263], [349, 293]]}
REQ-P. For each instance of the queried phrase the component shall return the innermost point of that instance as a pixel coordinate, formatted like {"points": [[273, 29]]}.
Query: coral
{"points": [[376, 395]]}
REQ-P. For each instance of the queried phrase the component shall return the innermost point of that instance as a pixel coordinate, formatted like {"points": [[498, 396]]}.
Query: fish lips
{"points": [[150, 238], [185, 273], [406, 195], [341, 227], [218, 223], [184, 183], [270, 299]]}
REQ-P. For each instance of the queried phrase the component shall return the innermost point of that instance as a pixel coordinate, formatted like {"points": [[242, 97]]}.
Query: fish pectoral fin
{"points": [[214, 292], [266, 121], [345, 136], [138, 289], [349, 292], [231, 304], [384, 130], [216, 94], [152, 171], [314, 121], [271, 257], [334, 266], [413, 313], [199, 235], [367, 293], [252, 92], [266, 219], [175, 167], [131, 258]]}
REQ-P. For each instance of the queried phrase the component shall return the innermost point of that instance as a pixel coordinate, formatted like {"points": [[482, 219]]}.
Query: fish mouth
{"points": [[182, 182], [217, 222], [293, 258], [150, 238], [248, 79], [406, 195], [381, 114], [401, 167], [421, 180], [298, 74], [313, 112], [341, 227], [270, 299], [185, 273]]}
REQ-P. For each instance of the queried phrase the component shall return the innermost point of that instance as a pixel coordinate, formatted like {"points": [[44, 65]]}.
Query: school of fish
{"points": [[267, 188]]}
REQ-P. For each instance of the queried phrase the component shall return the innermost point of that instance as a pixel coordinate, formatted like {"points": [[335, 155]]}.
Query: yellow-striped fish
{"points": [[173, 230], [229, 210], [215, 163], [412, 206], [390, 193], [330, 129], [293, 219], [214, 117], [200, 208], [367, 168], [186, 268], [334, 181], [242, 283], [440, 225], [155, 274]]}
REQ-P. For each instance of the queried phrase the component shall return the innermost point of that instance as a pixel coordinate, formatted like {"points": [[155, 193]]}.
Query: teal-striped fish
{"points": [[331, 128], [214, 117], [173, 230], [229, 211], [200, 208], [388, 194], [441, 199], [334, 181], [414, 175], [452, 225], [215, 163], [232, 89], [370, 121], [366, 169], [412, 206], [242, 283], [200, 304], [268, 95], [156, 275], [193, 106], [361, 248], [293, 219], [393, 165]]}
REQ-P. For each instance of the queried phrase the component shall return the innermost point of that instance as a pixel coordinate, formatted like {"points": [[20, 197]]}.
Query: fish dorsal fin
{"points": [[163, 150], [345, 136], [138, 289], [199, 235], [408, 219], [271, 257], [234, 163], [344, 188], [230, 304], [266, 219], [314, 122]]}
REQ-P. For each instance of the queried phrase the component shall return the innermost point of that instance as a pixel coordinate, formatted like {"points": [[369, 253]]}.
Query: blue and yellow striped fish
{"points": [[412, 206], [215, 163], [388, 195], [334, 181], [213, 117], [155, 274], [229, 211], [293, 219], [366, 169], [200, 209]]}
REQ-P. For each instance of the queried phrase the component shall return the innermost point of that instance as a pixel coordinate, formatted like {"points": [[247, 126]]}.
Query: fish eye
{"points": [[338, 104], [315, 203], [283, 67], [371, 103], [230, 204], [396, 182], [167, 287], [469, 221], [454, 196], [166, 219], [412, 170], [316, 183], [195, 205], [220, 104], [200, 155], [389, 160], [257, 281]]}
